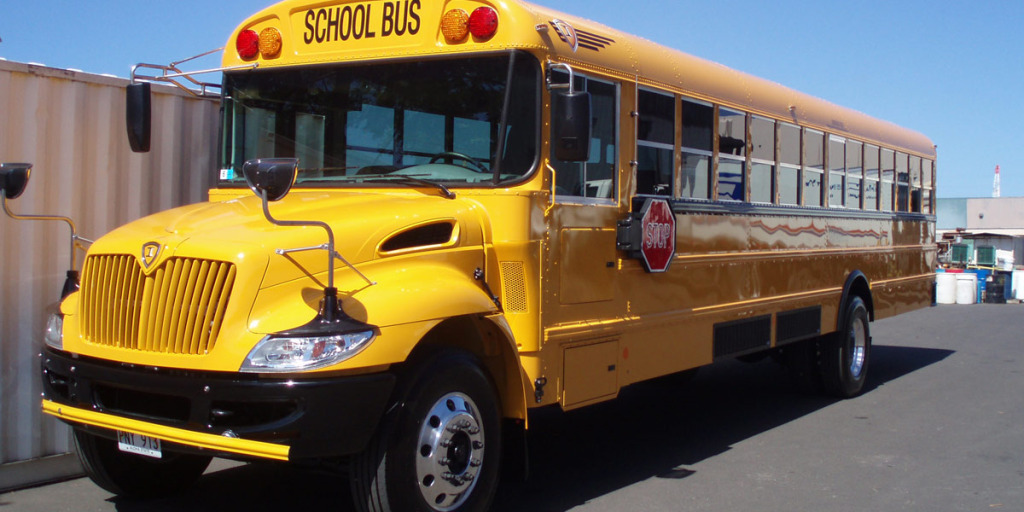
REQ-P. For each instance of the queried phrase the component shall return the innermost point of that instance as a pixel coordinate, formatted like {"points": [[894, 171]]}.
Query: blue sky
{"points": [[951, 70]]}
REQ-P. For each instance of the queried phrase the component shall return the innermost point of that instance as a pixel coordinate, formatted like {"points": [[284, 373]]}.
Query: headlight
{"points": [[53, 335], [294, 353]]}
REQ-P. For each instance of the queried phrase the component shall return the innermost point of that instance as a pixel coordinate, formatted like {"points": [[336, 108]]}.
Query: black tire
{"points": [[137, 476], [439, 448], [845, 354]]}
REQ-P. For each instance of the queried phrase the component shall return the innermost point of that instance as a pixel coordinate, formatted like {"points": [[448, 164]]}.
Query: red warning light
{"points": [[483, 23], [248, 44]]}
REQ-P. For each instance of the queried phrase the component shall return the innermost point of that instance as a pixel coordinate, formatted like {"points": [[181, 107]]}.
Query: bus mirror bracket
{"points": [[570, 118], [271, 179], [13, 180], [138, 94]]}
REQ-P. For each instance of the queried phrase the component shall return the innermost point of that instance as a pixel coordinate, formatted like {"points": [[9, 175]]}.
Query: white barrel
{"points": [[966, 288], [1017, 281], [945, 288]]}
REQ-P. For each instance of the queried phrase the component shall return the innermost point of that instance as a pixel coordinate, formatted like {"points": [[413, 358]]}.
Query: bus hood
{"points": [[366, 226]]}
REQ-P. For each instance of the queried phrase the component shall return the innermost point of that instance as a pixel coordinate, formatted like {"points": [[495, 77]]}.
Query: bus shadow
{"points": [[657, 429]]}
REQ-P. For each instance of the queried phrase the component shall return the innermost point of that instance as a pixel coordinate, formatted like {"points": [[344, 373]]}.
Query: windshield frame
{"points": [[223, 176]]}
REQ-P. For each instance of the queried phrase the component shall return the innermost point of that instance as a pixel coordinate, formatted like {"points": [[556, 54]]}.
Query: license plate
{"points": [[139, 444]]}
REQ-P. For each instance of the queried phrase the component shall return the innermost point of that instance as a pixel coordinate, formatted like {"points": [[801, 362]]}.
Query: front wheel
{"points": [[127, 474], [845, 354], [440, 448]]}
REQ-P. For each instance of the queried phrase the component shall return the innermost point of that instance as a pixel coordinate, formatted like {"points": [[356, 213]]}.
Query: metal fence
{"points": [[70, 125]]}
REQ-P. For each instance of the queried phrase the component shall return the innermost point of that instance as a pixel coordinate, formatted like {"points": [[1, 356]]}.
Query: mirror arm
{"points": [[305, 223], [75, 239]]}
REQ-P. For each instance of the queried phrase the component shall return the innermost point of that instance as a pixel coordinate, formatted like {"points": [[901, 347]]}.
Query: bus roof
{"points": [[319, 32]]}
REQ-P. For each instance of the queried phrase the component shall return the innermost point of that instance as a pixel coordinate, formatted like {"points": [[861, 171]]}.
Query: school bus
{"points": [[433, 217]]}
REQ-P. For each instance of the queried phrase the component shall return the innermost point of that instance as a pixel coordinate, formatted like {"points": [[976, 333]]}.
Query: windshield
{"points": [[435, 120]]}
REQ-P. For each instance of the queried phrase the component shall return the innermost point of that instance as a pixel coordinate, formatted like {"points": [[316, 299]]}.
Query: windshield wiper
{"points": [[407, 179]]}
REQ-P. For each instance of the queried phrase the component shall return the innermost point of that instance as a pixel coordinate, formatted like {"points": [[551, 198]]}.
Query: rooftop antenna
{"points": [[995, 184]]}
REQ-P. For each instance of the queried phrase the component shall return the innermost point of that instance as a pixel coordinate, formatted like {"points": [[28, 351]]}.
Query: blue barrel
{"points": [[983, 274]]}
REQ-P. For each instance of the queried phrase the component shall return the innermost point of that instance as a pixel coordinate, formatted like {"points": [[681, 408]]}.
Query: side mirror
{"points": [[274, 176], [138, 116], [571, 120], [14, 179]]}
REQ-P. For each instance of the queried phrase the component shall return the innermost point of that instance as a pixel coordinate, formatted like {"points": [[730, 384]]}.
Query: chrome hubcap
{"points": [[450, 452], [858, 345]]}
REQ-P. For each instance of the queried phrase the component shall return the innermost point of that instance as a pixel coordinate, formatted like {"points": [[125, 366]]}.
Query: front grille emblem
{"points": [[150, 253]]}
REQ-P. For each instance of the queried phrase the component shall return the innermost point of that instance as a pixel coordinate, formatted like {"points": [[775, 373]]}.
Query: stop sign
{"points": [[658, 235]]}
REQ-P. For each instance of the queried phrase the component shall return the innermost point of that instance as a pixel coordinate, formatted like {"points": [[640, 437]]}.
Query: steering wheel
{"points": [[459, 156]]}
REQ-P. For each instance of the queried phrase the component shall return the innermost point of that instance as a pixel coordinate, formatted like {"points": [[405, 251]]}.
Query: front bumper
{"points": [[233, 414]]}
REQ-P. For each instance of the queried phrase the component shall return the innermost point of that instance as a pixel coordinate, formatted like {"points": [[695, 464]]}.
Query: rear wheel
{"points": [[845, 354], [440, 448], [127, 474]]}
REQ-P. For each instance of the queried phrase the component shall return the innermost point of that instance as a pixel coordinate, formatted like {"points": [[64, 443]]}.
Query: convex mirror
{"points": [[275, 176]]}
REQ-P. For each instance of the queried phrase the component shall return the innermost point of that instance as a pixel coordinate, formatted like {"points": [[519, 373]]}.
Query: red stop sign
{"points": [[658, 235]]}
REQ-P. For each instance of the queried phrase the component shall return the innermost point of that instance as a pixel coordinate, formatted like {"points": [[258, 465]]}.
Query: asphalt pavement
{"points": [[940, 427]]}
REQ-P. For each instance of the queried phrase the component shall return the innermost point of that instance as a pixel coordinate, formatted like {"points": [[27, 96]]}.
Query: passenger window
{"points": [[762, 160], [870, 177], [927, 180], [854, 173], [836, 170], [902, 183], [915, 184], [596, 177], [732, 146], [698, 140], [789, 164], [813, 167], [655, 143], [888, 177]]}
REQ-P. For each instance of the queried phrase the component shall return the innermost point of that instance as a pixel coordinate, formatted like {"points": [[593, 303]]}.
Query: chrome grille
{"points": [[177, 309]]}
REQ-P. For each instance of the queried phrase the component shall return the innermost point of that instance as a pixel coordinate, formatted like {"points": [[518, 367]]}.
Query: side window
{"points": [[902, 183], [655, 143], [789, 164], [915, 184], [698, 140], [888, 176], [926, 176], [871, 186], [732, 154], [836, 170], [594, 178], [854, 173], [814, 166], [762, 160]]}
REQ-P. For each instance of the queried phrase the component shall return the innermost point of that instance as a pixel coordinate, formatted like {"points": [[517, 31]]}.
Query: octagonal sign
{"points": [[658, 235]]}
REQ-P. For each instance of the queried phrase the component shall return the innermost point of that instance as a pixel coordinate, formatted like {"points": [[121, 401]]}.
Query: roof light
{"points": [[270, 42], [483, 23], [455, 25], [248, 44]]}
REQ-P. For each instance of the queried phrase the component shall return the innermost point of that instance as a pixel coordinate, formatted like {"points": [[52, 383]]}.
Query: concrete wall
{"points": [[995, 213], [70, 125]]}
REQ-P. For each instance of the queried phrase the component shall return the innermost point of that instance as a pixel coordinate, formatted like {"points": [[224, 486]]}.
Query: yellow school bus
{"points": [[434, 216]]}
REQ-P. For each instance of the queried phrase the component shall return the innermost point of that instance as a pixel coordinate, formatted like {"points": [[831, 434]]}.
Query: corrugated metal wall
{"points": [[71, 126]]}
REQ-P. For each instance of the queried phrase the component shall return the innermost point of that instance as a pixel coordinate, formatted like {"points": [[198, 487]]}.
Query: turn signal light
{"points": [[483, 23], [248, 44]]}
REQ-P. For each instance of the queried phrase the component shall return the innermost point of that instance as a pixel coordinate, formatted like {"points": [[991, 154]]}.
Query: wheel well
{"points": [[485, 340], [857, 285]]}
